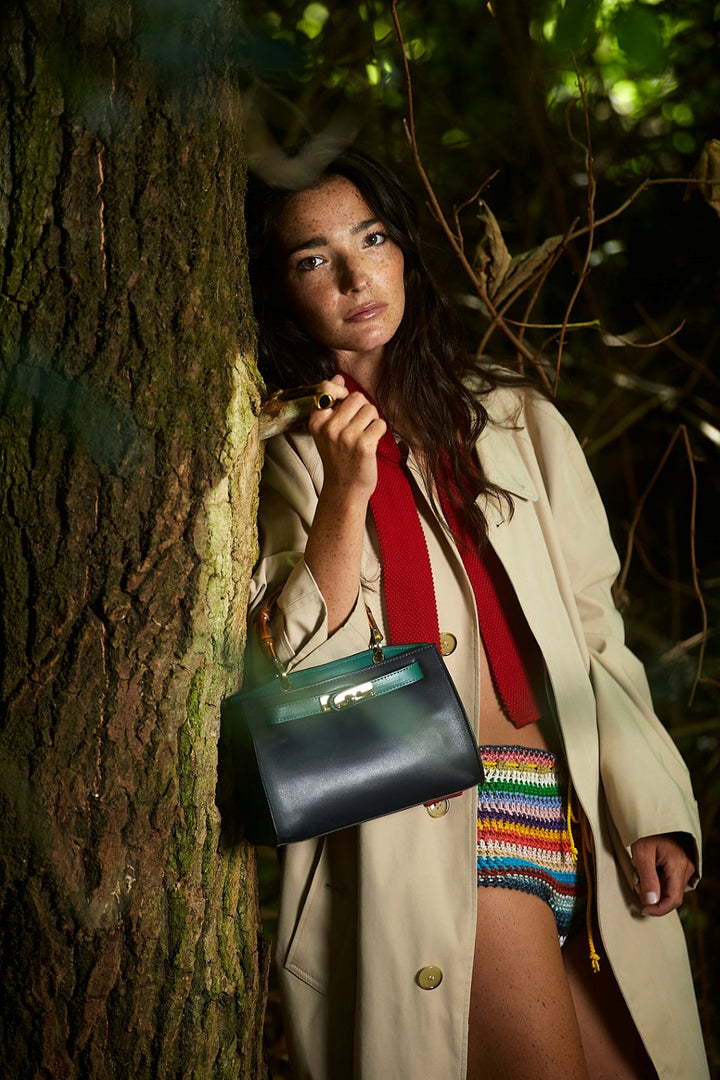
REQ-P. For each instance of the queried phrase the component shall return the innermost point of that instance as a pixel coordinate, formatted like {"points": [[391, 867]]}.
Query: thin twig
{"points": [[539, 276], [681, 431], [698, 364], [585, 270], [628, 419], [643, 186], [668, 584], [649, 344], [499, 320], [541, 279], [409, 127], [681, 647], [591, 324], [473, 198]]}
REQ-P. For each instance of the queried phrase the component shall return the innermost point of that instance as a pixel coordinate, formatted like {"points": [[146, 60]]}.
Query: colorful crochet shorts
{"points": [[523, 836]]}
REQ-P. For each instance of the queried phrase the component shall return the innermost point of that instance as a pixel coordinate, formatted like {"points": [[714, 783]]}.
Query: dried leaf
{"points": [[492, 258], [502, 274], [708, 171]]}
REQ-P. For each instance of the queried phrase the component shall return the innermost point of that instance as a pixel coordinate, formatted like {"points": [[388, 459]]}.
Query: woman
{"points": [[452, 501]]}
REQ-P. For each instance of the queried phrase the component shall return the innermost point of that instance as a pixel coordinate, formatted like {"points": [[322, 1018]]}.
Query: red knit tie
{"points": [[407, 574], [409, 590], [512, 651]]}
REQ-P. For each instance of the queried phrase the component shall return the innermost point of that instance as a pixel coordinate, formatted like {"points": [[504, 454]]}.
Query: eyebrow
{"points": [[322, 241]]}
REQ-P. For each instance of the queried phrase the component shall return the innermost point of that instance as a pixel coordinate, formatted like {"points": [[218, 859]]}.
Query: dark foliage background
{"points": [[497, 101]]}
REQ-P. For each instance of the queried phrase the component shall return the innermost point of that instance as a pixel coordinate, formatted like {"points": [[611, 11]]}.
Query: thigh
{"points": [[522, 1017], [613, 1048]]}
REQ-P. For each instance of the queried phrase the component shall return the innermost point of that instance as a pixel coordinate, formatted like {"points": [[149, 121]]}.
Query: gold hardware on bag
{"points": [[343, 698], [375, 638], [265, 638]]}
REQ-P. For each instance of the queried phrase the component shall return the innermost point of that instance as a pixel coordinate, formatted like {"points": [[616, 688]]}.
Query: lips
{"points": [[365, 312]]}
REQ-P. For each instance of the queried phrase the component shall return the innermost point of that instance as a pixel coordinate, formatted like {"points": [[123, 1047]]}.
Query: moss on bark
{"points": [[131, 945]]}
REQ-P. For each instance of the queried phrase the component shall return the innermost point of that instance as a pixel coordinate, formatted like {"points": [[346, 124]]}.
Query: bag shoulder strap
{"points": [[264, 634]]}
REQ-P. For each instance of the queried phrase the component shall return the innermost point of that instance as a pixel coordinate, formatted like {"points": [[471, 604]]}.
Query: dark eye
{"points": [[374, 239], [310, 262]]}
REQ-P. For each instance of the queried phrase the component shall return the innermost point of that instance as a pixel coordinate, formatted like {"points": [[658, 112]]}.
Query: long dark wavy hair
{"points": [[424, 365]]}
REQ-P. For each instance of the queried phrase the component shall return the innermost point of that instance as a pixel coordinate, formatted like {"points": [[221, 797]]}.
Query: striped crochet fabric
{"points": [[523, 841]]}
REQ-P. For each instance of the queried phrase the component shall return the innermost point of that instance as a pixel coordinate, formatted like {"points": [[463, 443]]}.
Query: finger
{"points": [[328, 397], [323, 400], [353, 407], [348, 434], [663, 907], [656, 903], [329, 391], [675, 872], [647, 885], [358, 423], [662, 861], [372, 432], [350, 428]]}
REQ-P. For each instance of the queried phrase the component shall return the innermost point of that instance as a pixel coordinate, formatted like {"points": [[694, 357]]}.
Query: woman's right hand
{"points": [[347, 437]]}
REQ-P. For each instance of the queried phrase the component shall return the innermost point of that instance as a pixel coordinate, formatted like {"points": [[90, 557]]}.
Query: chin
{"points": [[377, 339]]}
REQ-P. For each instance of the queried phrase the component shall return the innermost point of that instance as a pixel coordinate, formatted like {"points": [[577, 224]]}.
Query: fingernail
{"points": [[651, 898]]}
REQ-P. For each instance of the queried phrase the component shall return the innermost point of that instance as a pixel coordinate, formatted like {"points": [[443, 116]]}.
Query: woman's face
{"points": [[342, 274]]}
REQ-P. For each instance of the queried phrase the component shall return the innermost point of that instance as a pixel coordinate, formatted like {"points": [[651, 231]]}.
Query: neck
{"points": [[364, 368]]}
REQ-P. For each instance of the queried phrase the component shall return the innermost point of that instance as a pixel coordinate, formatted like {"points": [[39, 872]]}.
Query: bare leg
{"points": [[522, 1019], [613, 1048]]}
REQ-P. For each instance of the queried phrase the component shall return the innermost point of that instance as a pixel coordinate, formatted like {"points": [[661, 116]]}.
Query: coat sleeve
{"points": [[644, 778], [291, 480]]}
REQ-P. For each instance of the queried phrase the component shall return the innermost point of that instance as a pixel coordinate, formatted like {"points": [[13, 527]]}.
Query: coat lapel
{"points": [[504, 467]]}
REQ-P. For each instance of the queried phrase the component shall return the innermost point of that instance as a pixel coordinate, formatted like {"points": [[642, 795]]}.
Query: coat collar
{"points": [[499, 452], [502, 461], [499, 444]]}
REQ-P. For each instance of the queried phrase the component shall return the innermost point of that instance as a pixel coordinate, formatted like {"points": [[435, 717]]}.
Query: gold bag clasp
{"points": [[343, 698]]}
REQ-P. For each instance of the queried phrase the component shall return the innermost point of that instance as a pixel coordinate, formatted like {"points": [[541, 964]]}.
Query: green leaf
{"points": [[455, 139], [313, 19], [575, 24], [639, 35]]}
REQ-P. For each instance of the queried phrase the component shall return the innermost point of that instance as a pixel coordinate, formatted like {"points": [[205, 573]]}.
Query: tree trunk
{"points": [[130, 943]]}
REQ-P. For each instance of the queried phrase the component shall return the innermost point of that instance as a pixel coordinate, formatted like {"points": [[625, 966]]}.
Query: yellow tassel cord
{"points": [[575, 817]]}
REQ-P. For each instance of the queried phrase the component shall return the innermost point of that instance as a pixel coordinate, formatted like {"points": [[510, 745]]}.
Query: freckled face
{"points": [[342, 273]]}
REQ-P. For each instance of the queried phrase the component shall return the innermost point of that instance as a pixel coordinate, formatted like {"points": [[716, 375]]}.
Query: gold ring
{"points": [[323, 401]]}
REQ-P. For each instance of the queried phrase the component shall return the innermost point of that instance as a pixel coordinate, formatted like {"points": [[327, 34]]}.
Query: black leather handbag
{"points": [[329, 747]]}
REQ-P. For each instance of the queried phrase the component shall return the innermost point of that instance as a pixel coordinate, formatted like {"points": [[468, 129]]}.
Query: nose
{"points": [[352, 275]]}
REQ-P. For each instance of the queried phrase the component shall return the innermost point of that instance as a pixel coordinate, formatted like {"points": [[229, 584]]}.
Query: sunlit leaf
{"points": [[313, 19], [417, 49], [624, 96], [455, 139]]}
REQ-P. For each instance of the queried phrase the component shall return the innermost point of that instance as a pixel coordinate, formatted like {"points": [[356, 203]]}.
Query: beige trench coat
{"points": [[365, 910]]}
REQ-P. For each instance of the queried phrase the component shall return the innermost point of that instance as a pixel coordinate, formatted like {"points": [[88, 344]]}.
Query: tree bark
{"points": [[130, 944]]}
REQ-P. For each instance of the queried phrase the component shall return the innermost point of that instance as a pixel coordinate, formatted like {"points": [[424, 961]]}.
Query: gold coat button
{"points": [[439, 808], [428, 978], [448, 644]]}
